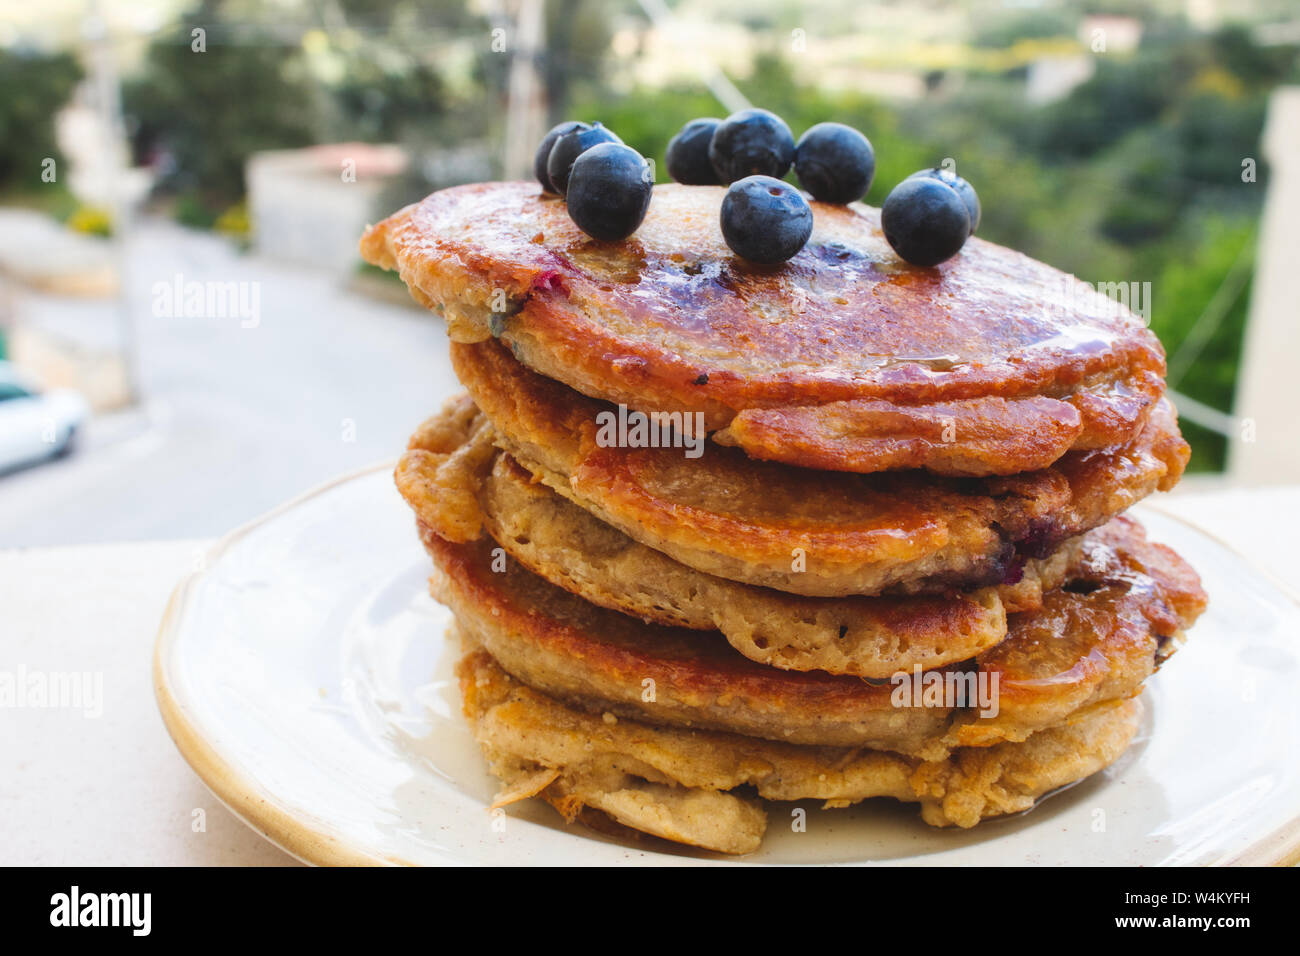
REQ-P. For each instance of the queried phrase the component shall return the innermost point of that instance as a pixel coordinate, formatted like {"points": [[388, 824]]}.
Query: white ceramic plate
{"points": [[304, 674]]}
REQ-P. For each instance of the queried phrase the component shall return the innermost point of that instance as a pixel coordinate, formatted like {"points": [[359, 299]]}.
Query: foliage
{"points": [[199, 115], [1008, 27], [33, 87], [1196, 269], [377, 101], [577, 38]]}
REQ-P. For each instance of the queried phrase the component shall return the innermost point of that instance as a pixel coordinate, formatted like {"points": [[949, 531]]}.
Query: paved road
{"points": [[235, 419]]}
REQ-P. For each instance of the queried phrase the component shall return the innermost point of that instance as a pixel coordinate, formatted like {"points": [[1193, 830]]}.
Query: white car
{"points": [[35, 425]]}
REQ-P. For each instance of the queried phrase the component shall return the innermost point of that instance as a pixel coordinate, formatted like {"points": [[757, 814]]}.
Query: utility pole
{"points": [[526, 103], [108, 100], [1265, 446]]}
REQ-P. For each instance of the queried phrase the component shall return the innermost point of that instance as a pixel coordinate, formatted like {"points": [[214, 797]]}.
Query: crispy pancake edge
{"points": [[674, 783]]}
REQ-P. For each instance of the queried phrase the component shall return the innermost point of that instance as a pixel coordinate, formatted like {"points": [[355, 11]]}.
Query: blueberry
{"points": [[835, 163], [925, 220], [765, 220], [688, 154], [609, 191], [544, 151], [964, 189], [751, 142], [569, 146]]}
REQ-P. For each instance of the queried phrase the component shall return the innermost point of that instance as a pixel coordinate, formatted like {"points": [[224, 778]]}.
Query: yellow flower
{"points": [[234, 221], [91, 220]]}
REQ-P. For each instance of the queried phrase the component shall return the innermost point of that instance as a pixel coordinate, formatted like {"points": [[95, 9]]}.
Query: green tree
{"points": [[33, 88], [577, 41], [208, 111]]}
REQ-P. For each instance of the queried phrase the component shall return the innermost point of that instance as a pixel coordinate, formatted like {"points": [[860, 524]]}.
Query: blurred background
{"points": [[189, 335]]}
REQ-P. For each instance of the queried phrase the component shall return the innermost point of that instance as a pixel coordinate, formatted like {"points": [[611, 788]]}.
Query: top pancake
{"points": [[844, 358]]}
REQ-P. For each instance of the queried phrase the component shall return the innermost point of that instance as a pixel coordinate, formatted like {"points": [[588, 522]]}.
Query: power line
{"points": [[1208, 322], [718, 83], [1201, 414]]}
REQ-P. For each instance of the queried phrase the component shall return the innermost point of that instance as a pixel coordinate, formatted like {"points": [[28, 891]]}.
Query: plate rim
{"points": [[299, 835], [249, 800]]}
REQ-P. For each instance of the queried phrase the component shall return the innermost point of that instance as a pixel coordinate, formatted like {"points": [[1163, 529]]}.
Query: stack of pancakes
{"points": [[715, 534]]}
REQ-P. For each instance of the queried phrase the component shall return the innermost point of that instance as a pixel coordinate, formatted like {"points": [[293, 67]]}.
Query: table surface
{"points": [[80, 789]]}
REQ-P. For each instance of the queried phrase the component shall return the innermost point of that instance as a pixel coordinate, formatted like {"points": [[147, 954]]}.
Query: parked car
{"points": [[36, 425]]}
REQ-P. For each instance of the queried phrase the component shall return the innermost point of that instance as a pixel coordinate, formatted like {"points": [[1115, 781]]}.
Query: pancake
{"points": [[675, 783], [1094, 641], [1121, 614], [459, 485], [844, 358], [559, 644], [814, 533]]}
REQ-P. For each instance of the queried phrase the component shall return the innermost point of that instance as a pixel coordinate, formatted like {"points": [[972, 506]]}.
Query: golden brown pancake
{"points": [[459, 485], [562, 645], [676, 783], [1121, 613], [814, 533], [843, 358]]}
